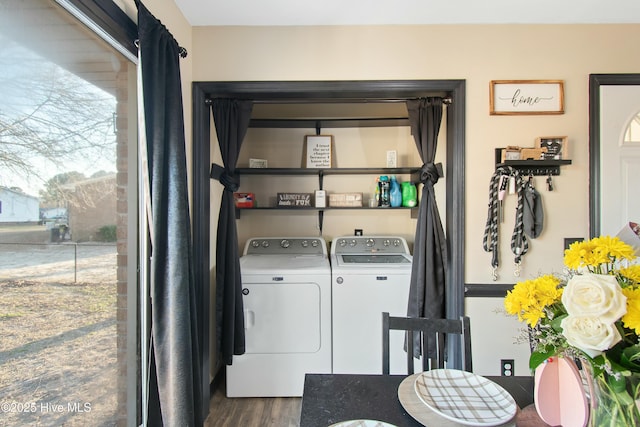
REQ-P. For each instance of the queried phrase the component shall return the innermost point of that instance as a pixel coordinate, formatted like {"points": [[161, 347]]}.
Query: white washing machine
{"points": [[286, 286], [370, 275]]}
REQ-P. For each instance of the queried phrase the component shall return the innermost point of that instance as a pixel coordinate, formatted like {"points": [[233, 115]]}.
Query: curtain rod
{"points": [[181, 51], [445, 100]]}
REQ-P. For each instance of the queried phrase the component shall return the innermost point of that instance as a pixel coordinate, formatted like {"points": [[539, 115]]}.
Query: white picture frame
{"points": [[318, 151]]}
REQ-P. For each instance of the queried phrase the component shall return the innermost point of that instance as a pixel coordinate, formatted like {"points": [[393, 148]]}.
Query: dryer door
{"points": [[282, 317]]}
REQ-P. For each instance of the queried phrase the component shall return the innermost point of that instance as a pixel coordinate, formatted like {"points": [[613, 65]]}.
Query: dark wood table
{"points": [[331, 398]]}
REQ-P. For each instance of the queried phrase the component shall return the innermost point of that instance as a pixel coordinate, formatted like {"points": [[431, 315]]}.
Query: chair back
{"points": [[431, 334]]}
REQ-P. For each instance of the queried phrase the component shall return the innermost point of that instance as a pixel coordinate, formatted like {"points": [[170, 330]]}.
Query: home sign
{"points": [[511, 97]]}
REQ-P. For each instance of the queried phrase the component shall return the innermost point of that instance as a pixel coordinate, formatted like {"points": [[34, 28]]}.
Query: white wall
{"points": [[16, 207]]}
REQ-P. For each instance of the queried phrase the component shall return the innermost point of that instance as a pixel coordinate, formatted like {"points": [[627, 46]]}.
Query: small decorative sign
{"points": [[318, 151], [258, 163], [511, 97], [556, 147], [345, 200], [294, 200]]}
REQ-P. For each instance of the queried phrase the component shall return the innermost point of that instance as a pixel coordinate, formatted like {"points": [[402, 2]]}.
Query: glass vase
{"points": [[615, 402]]}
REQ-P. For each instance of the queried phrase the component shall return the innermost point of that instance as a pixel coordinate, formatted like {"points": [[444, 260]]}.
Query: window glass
{"points": [[632, 134], [63, 220]]}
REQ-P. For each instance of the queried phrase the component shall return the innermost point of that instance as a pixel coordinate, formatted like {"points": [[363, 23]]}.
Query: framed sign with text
{"points": [[318, 150], [511, 97]]}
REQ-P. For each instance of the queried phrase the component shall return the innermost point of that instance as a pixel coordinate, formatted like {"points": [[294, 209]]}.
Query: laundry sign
{"points": [[294, 200], [511, 97]]}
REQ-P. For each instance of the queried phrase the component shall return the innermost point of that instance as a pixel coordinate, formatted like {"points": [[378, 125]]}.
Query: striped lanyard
{"points": [[519, 243]]}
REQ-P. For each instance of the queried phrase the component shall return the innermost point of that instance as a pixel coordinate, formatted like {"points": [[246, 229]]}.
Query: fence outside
{"points": [[67, 262]]}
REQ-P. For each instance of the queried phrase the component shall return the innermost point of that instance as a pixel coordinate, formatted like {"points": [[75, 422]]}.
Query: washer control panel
{"points": [[285, 246], [369, 244]]}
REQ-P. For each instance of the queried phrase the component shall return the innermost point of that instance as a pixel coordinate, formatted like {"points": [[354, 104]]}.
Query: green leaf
{"points": [[618, 385], [630, 358], [597, 364], [538, 357], [555, 323]]}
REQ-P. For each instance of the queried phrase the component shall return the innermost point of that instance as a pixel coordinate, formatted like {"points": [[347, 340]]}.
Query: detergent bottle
{"points": [[395, 194], [409, 195], [383, 198]]}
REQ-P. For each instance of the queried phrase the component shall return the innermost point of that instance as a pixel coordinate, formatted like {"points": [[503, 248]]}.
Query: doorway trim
{"points": [[595, 81], [323, 90]]}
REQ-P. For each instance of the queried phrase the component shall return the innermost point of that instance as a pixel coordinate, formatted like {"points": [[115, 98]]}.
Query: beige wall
{"points": [[477, 54]]}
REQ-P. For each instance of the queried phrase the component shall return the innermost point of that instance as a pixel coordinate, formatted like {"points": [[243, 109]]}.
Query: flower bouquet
{"points": [[590, 313]]}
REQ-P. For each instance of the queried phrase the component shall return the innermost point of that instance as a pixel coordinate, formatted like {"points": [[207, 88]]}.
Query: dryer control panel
{"points": [[369, 244], [285, 246]]}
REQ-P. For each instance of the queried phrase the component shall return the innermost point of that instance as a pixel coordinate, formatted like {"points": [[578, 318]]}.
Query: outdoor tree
{"points": [[56, 192], [74, 189], [50, 120]]}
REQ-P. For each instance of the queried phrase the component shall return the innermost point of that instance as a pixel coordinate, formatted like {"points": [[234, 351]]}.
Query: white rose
{"points": [[589, 334], [595, 295]]}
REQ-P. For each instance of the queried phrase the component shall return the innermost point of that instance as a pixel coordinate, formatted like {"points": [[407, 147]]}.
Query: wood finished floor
{"points": [[252, 411]]}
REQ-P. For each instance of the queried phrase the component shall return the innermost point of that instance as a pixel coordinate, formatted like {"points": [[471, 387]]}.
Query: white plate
{"points": [[362, 423], [465, 398]]}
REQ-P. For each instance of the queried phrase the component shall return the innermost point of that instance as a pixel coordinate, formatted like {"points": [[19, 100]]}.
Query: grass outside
{"points": [[58, 329]]}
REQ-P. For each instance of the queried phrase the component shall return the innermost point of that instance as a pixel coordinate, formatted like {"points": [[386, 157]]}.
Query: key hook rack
{"points": [[531, 167]]}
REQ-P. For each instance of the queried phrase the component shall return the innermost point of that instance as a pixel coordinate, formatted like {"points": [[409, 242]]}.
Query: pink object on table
{"points": [[559, 395]]}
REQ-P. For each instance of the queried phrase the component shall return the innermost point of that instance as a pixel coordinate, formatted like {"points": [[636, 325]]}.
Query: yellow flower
{"points": [[579, 254], [632, 273], [613, 247], [529, 298], [631, 319], [597, 252]]}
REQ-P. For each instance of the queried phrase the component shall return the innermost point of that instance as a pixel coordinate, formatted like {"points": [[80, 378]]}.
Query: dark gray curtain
{"points": [[231, 118], [427, 291], [175, 396]]}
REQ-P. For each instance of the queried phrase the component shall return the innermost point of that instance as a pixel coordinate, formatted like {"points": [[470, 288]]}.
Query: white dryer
{"points": [[370, 275], [286, 286]]}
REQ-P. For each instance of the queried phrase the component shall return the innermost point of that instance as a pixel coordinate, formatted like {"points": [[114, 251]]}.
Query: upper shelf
{"points": [[329, 123], [328, 171]]}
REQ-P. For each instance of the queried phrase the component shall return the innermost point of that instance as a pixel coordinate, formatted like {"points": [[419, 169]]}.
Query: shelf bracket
{"points": [[531, 167], [318, 126], [320, 220]]}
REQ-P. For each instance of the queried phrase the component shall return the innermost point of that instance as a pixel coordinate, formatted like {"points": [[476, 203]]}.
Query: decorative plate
{"points": [[362, 423], [465, 398]]}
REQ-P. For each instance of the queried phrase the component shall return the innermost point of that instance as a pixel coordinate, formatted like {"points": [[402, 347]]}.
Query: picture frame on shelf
{"points": [[511, 152], [557, 147], [318, 150], [258, 163], [526, 97]]}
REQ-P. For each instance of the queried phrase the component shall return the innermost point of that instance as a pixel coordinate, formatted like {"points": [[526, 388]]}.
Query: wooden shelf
{"points": [[328, 171], [414, 210]]}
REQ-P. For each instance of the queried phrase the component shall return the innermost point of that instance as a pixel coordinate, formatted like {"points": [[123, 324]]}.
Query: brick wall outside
{"points": [[92, 206], [121, 221]]}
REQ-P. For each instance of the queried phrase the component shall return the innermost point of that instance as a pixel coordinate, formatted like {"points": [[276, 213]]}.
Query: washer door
{"points": [[282, 317]]}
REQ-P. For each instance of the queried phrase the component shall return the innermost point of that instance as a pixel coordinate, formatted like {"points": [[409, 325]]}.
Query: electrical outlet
{"points": [[506, 367], [357, 232]]}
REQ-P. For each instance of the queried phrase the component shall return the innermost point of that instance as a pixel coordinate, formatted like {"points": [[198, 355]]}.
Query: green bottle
{"points": [[409, 195]]}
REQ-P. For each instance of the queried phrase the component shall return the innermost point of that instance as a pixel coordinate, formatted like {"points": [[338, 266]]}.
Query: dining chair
{"points": [[432, 333]]}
